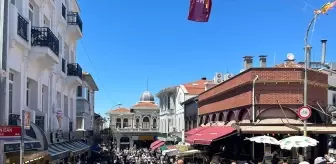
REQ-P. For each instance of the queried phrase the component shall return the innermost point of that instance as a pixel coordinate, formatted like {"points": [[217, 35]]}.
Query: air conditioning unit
{"points": [[218, 78]]}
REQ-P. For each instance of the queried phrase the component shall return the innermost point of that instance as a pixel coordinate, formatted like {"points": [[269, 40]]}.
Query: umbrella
{"points": [[297, 141], [264, 139]]}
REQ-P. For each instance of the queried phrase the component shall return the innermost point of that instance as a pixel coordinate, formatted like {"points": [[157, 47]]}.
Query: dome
{"points": [[147, 97]]}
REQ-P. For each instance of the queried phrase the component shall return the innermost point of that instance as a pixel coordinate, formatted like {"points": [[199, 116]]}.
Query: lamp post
{"points": [[109, 118]]}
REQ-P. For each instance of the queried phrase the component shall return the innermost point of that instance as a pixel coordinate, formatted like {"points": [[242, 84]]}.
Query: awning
{"points": [[157, 146], [76, 147], [292, 129], [210, 134], [155, 143], [57, 151], [196, 130]]}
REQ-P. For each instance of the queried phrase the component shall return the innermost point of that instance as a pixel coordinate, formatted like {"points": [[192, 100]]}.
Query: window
{"points": [[13, 2], [63, 11], [42, 98], [39, 121], [168, 102], [334, 99], [88, 95], [137, 123], [31, 13], [79, 91], [154, 123], [27, 94], [10, 100], [125, 123], [145, 123], [118, 123]]}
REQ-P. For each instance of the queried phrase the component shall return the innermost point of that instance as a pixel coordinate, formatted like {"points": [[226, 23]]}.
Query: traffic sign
{"points": [[304, 112], [10, 131]]}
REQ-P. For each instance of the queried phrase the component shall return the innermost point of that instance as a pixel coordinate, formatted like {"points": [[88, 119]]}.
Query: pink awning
{"points": [[155, 143], [210, 134], [157, 146], [196, 130]]}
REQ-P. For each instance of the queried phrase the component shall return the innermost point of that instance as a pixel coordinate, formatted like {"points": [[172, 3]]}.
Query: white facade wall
{"points": [[39, 85]]}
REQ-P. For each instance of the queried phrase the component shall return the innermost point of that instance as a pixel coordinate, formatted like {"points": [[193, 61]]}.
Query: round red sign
{"points": [[304, 112]]}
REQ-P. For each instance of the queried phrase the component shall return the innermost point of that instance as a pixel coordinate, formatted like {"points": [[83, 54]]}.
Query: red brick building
{"points": [[278, 93]]}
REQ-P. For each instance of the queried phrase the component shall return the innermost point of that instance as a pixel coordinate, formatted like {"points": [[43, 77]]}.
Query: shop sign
{"points": [[10, 131], [16, 146]]}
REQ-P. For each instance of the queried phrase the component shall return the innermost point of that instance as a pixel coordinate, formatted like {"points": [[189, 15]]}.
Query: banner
{"points": [[26, 116], [200, 10]]}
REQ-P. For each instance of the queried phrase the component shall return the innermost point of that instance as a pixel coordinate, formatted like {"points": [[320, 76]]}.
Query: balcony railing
{"points": [[63, 65], [74, 19], [74, 69], [44, 37], [136, 129], [22, 28], [63, 11]]}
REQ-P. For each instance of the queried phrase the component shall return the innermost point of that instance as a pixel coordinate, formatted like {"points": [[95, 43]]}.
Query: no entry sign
{"points": [[304, 112], [10, 131]]}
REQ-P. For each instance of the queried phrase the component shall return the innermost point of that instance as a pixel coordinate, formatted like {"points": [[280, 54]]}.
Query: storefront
{"points": [[69, 151], [35, 144]]}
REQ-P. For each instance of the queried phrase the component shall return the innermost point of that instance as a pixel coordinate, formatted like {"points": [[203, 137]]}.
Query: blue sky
{"points": [[128, 41]]}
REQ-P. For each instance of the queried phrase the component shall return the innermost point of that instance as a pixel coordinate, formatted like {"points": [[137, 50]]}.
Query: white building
{"points": [[85, 103], [42, 71], [171, 111], [137, 126]]}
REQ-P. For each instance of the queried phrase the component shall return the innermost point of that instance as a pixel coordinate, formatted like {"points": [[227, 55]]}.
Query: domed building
{"points": [[138, 125]]}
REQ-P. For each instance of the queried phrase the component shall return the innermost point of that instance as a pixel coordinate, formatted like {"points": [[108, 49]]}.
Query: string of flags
{"points": [[200, 10]]}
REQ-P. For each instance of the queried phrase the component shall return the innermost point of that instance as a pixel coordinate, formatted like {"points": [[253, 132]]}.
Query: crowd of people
{"points": [[111, 155]]}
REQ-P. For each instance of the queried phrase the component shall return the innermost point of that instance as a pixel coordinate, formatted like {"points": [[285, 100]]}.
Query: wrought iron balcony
{"points": [[74, 19], [63, 11], [74, 69], [22, 27], [63, 65], [130, 129], [44, 37]]}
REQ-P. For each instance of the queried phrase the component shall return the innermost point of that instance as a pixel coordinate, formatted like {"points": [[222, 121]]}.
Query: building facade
{"points": [[85, 115], [42, 72], [172, 120], [136, 127]]}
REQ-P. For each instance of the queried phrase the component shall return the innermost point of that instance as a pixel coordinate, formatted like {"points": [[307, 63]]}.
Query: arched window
{"points": [[145, 123], [154, 123], [137, 123], [118, 123], [125, 123]]}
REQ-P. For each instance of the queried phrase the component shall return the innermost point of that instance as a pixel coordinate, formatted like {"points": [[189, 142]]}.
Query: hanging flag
{"points": [[199, 10]]}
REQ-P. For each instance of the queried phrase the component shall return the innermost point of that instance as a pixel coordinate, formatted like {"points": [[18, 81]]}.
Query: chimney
{"points": [[262, 59], [248, 62], [308, 60], [323, 51]]}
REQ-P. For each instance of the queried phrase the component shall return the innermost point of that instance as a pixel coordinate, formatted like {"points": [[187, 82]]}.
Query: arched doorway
{"points": [[137, 123], [124, 143], [145, 123]]}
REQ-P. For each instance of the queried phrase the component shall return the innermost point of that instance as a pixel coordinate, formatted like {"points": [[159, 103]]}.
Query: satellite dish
{"points": [[290, 56]]}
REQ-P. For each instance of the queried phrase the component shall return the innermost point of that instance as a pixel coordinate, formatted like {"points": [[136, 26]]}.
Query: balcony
{"points": [[75, 25], [19, 29], [135, 130], [75, 74], [45, 47]]}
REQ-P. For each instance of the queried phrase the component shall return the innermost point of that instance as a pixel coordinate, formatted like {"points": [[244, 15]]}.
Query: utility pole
{"points": [[3, 67]]}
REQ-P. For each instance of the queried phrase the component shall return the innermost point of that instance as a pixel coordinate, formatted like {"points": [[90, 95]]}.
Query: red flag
{"points": [[200, 10]]}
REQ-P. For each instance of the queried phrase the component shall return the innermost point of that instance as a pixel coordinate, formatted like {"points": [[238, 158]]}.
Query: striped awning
{"points": [[57, 151], [76, 147]]}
